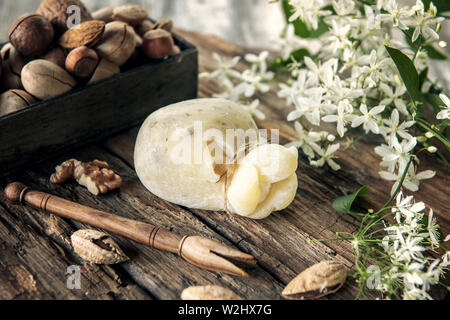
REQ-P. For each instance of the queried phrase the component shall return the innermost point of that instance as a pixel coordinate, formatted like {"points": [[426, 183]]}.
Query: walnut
{"points": [[95, 176]]}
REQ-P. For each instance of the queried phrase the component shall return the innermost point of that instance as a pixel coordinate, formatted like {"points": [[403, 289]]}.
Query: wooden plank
{"points": [[280, 241], [93, 112], [35, 254], [162, 274]]}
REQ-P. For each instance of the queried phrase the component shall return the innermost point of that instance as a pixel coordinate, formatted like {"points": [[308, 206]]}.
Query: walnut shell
{"points": [[31, 34], [104, 70], [130, 13], [56, 12], [44, 79], [118, 42], [14, 100], [317, 281], [97, 247], [85, 34], [209, 292]]}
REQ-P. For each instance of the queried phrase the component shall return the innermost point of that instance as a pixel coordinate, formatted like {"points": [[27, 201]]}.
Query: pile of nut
{"points": [[44, 58]]}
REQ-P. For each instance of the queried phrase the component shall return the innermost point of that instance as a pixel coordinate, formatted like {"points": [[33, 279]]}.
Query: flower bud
{"points": [[432, 149]]}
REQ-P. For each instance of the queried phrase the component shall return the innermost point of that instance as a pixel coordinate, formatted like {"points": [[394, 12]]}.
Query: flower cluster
{"points": [[351, 82], [347, 78], [407, 270]]}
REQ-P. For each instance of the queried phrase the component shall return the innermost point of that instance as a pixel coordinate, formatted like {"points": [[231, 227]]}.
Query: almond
{"points": [[209, 293], [85, 34], [317, 281], [97, 247]]}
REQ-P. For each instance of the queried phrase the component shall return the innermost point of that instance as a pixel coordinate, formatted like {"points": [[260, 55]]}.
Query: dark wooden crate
{"points": [[96, 111]]}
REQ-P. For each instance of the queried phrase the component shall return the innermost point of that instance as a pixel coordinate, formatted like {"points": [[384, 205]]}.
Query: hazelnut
{"points": [[104, 14], [82, 62], [57, 56], [44, 79], [165, 24], [117, 43], [31, 34], [104, 70], [158, 44], [14, 100], [56, 12], [144, 27], [130, 13]]}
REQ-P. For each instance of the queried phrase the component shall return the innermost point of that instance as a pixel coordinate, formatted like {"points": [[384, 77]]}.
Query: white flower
{"points": [[324, 72], [410, 249], [369, 119], [394, 128], [343, 7], [398, 17], [412, 180], [376, 70], [299, 88], [444, 114], [258, 60], [433, 229], [395, 97], [290, 42], [308, 11], [344, 111], [252, 83], [406, 211], [396, 153], [326, 156], [224, 70], [424, 22], [305, 140], [338, 36], [312, 107], [252, 109]]}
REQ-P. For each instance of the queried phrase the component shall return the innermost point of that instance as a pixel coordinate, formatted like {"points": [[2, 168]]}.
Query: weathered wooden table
{"points": [[35, 249]]}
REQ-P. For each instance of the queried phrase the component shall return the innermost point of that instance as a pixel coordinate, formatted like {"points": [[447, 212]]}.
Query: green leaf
{"points": [[423, 77], [434, 53], [407, 72], [441, 5], [344, 204]]}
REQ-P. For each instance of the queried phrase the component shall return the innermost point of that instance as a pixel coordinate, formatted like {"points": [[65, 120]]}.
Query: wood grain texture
{"points": [[279, 243]]}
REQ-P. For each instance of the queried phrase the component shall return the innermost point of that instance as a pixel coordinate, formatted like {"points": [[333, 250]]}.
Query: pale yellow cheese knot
{"points": [[265, 181], [245, 191]]}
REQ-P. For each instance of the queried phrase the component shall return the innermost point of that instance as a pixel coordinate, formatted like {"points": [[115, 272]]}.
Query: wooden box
{"points": [[96, 111]]}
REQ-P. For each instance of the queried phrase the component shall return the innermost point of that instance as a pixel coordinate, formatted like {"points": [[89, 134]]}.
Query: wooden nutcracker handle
{"points": [[199, 251], [138, 231]]}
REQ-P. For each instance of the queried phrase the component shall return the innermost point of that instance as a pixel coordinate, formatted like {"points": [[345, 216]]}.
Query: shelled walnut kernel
{"points": [[95, 176]]}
